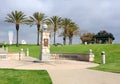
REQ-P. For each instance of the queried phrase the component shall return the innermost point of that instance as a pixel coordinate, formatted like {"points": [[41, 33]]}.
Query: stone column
{"points": [[45, 47]]}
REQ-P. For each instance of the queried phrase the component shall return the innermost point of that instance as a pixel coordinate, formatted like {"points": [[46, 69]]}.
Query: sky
{"points": [[90, 15]]}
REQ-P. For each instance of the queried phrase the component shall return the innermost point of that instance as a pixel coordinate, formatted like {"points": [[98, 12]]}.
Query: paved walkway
{"points": [[65, 72], [83, 76]]}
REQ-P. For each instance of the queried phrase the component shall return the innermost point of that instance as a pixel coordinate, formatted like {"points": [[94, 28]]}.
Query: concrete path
{"points": [[65, 71], [83, 76]]}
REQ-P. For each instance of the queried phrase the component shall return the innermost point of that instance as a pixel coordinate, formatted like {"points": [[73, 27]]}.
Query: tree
{"points": [[37, 19], [66, 22], [72, 30], [16, 17], [87, 38], [104, 37], [56, 22]]}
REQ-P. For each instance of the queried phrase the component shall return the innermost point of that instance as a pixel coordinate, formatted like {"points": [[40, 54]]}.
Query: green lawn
{"points": [[13, 76], [33, 49], [112, 52]]}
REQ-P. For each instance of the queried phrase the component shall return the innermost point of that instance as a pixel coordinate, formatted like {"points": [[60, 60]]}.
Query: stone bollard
{"points": [[20, 54], [3, 47], [91, 56], [90, 51], [27, 52], [103, 57], [6, 49]]}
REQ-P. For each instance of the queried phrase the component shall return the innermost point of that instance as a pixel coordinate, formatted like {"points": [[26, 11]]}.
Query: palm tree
{"points": [[16, 17], [66, 22], [37, 19], [56, 21], [72, 30]]}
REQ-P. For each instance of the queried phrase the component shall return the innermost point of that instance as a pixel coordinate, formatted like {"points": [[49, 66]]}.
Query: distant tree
{"points": [[88, 37], [72, 30], [37, 19], [104, 37], [66, 22], [56, 22], [16, 17]]}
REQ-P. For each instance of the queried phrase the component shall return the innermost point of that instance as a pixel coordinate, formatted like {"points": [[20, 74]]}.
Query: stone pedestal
{"points": [[45, 47]]}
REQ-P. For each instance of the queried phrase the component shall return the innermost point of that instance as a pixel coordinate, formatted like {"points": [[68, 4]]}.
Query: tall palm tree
{"points": [[55, 21], [66, 22], [72, 30], [37, 19], [16, 17]]}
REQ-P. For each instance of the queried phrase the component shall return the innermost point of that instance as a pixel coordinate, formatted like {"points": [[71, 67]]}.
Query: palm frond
{"points": [[15, 17]]}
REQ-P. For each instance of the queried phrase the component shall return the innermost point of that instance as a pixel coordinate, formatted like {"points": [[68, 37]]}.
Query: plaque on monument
{"points": [[46, 42]]}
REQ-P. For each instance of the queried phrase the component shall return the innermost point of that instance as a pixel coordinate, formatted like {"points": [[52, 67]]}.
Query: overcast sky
{"points": [[90, 15]]}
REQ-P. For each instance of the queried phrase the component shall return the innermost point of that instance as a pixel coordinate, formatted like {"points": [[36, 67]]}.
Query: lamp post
{"points": [[44, 47]]}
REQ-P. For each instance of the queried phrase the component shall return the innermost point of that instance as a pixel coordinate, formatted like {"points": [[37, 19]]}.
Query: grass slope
{"points": [[112, 52], [13, 76], [34, 50]]}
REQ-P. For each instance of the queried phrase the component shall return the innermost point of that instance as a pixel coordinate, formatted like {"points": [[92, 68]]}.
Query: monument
{"points": [[45, 47]]}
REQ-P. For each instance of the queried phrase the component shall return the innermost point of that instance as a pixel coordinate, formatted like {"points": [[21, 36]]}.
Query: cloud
{"points": [[27, 6]]}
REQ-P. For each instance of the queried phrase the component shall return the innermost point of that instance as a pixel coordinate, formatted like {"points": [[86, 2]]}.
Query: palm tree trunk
{"points": [[41, 45], [64, 40], [54, 37], [70, 40], [17, 29], [65, 30], [38, 35], [55, 29]]}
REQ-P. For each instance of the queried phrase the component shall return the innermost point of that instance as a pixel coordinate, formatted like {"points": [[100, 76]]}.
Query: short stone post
{"points": [[91, 56], [3, 47], [20, 53], [27, 52], [6, 49], [90, 51], [103, 57]]}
